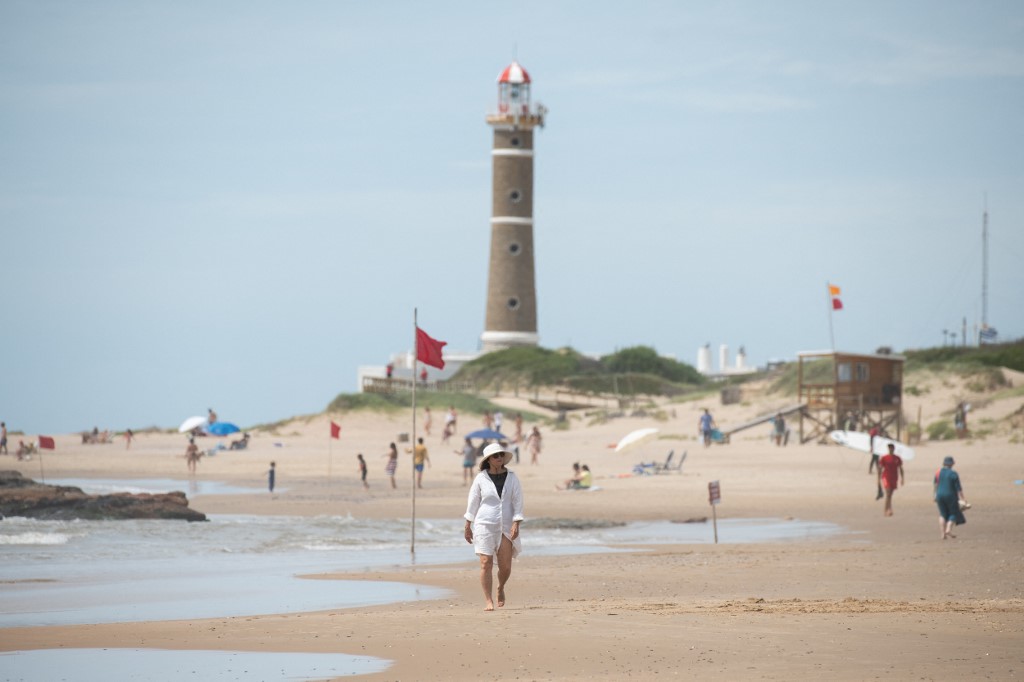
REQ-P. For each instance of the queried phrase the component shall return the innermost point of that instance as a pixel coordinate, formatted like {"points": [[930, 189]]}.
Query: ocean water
{"points": [[73, 572]]}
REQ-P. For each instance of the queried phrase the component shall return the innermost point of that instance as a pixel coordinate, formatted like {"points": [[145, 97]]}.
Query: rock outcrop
{"points": [[20, 496]]}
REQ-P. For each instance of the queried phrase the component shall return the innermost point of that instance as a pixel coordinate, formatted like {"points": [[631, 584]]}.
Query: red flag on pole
{"points": [[428, 350], [335, 430], [837, 304], [46, 443]]}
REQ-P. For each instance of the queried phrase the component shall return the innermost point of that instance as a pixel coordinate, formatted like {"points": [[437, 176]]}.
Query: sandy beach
{"points": [[883, 597]]}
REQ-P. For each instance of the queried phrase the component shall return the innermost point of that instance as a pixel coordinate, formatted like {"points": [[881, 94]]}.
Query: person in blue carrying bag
{"points": [[493, 514], [949, 496]]}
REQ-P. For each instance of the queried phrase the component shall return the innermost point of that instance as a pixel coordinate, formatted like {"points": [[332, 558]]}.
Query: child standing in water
{"points": [[271, 476], [362, 470]]}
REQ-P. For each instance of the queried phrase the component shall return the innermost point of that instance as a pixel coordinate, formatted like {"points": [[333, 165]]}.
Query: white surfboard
{"points": [[858, 440]]}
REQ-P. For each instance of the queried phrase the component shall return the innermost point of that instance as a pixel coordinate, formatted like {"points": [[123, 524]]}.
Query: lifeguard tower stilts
{"points": [[511, 293], [850, 392]]}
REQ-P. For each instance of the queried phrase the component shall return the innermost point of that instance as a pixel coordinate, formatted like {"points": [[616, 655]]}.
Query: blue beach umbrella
{"points": [[488, 434], [222, 428]]}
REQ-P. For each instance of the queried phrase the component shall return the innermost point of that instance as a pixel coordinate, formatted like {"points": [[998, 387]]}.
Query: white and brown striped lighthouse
{"points": [[511, 294]]}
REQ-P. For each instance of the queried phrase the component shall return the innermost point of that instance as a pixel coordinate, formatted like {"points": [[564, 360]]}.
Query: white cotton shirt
{"points": [[487, 512]]}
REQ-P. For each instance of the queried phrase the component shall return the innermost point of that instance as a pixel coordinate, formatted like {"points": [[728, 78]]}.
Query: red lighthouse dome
{"points": [[514, 73], [514, 91]]}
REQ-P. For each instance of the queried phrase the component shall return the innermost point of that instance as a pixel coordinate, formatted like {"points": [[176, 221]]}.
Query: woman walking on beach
{"points": [[392, 464], [948, 495], [192, 456], [493, 513], [533, 443]]}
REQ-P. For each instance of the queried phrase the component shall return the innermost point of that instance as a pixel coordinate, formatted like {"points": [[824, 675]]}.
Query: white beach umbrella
{"points": [[635, 438], [191, 423]]}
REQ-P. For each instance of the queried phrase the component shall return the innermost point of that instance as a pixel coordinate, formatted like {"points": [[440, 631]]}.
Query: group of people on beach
{"points": [[581, 478], [24, 451], [420, 460], [946, 487]]}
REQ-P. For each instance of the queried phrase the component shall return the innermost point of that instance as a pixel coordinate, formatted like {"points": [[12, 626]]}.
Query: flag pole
{"points": [[828, 296], [415, 361], [330, 455], [42, 476]]}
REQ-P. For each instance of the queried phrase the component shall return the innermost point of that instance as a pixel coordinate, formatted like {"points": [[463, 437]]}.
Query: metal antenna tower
{"points": [[984, 266]]}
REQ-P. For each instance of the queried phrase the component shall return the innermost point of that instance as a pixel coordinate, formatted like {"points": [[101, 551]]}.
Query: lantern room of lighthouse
{"points": [[511, 318]]}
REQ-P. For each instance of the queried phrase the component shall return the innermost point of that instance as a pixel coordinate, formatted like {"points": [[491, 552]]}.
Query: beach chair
{"points": [[658, 468], [678, 466], [653, 467]]}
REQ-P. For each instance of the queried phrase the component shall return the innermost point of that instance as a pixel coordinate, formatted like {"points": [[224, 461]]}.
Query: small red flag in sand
{"points": [[46, 443], [335, 430], [428, 350]]}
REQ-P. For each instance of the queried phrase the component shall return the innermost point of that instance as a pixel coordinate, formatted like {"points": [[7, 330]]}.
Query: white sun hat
{"points": [[495, 448]]}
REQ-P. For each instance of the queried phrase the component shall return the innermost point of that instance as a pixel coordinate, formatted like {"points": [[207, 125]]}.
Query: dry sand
{"points": [[888, 598]]}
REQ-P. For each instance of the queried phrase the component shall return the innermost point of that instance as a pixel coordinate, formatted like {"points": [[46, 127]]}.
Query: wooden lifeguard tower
{"points": [[850, 392]]}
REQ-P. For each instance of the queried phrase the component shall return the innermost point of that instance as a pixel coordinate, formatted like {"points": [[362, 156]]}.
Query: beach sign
{"points": [[714, 497]]}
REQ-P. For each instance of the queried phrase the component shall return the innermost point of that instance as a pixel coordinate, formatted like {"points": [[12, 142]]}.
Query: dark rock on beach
{"points": [[20, 496]]}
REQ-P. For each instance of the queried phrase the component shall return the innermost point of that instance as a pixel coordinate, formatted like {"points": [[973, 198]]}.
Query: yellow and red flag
{"points": [[833, 293]]}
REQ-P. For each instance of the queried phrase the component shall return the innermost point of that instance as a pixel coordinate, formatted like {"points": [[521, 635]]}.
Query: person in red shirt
{"points": [[890, 475]]}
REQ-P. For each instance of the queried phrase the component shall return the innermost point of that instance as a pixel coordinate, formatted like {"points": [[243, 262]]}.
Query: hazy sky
{"points": [[235, 204]]}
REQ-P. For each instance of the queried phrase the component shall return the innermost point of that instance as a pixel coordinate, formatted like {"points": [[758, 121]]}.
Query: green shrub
{"points": [[645, 360], [986, 379], [632, 371], [1009, 354], [464, 403], [941, 430], [531, 365]]}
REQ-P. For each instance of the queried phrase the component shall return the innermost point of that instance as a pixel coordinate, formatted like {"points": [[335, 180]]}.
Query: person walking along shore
{"points": [[494, 511]]}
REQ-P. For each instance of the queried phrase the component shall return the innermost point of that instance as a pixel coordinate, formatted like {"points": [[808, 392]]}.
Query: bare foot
{"points": [[501, 596], [489, 607]]}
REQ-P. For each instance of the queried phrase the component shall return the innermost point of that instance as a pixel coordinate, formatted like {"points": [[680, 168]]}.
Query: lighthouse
{"points": [[511, 318]]}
